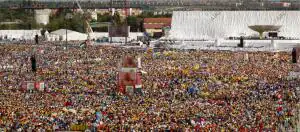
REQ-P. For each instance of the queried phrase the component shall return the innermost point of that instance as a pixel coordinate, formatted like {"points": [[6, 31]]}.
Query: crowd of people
{"points": [[182, 90]]}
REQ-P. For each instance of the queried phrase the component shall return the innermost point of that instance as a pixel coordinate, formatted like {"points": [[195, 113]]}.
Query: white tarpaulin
{"points": [[132, 36], [72, 35], [195, 25], [19, 34]]}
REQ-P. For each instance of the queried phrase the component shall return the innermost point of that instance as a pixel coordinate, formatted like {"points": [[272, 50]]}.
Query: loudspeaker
{"points": [[273, 34], [33, 64], [36, 39], [295, 55], [241, 42]]}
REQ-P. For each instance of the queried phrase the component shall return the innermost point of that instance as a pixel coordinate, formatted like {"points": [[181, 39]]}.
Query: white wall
{"points": [[250, 45], [193, 25], [20, 34], [132, 36], [74, 36]]}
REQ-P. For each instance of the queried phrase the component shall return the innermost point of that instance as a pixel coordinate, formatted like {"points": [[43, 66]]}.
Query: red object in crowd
{"points": [[53, 94], [68, 103], [279, 96], [198, 127], [124, 80], [261, 127], [104, 113], [103, 127], [243, 129], [37, 85], [279, 108], [122, 89]]}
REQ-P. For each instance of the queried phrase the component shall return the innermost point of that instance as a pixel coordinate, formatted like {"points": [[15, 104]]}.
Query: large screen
{"points": [[118, 31]]}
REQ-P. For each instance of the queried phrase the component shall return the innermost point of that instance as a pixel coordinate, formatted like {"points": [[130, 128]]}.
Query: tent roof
{"points": [[63, 32]]}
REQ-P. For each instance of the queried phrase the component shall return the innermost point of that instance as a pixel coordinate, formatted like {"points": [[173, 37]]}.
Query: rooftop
{"points": [[158, 20]]}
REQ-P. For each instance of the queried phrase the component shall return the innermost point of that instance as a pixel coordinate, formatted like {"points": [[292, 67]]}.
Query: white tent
{"points": [[132, 36], [211, 25], [72, 35]]}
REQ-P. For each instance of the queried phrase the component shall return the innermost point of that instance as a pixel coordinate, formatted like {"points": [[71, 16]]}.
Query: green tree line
{"points": [[24, 16], [76, 23]]}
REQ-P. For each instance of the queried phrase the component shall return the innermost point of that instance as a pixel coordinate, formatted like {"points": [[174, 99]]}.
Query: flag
{"points": [[40, 86], [196, 67], [98, 116], [139, 62], [185, 71]]}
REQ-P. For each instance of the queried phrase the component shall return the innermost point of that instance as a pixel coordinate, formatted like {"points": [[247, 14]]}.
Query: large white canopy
{"points": [[195, 25], [71, 35]]}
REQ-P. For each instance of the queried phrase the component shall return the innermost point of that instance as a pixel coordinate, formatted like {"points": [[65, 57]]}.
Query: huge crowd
{"points": [[182, 90]]}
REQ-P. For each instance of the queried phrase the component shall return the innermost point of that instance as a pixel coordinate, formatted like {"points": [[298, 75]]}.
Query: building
{"points": [[211, 25], [130, 11], [42, 16], [155, 26]]}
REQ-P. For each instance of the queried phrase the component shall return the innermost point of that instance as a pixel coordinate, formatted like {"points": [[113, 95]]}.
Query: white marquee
{"points": [[195, 25]]}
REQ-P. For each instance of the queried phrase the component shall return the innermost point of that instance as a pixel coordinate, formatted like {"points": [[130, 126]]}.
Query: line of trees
{"points": [[59, 21], [76, 23], [135, 22], [24, 17]]}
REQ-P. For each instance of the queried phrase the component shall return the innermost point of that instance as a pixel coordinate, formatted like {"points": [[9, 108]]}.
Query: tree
{"points": [[59, 21], [56, 22], [25, 16], [132, 22], [104, 18], [117, 19], [135, 23], [77, 23]]}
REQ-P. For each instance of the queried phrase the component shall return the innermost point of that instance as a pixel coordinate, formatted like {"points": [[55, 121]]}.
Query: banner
{"points": [[128, 62], [40, 86], [118, 31], [129, 90], [80, 127], [128, 77], [138, 81], [29, 85], [125, 79]]}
